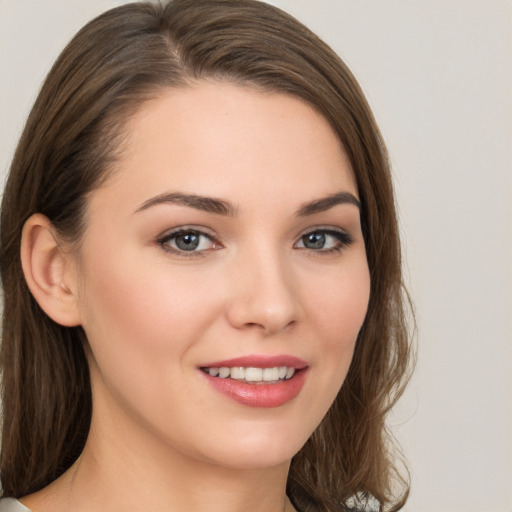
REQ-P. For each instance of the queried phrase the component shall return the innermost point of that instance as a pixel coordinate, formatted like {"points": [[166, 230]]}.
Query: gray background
{"points": [[439, 76]]}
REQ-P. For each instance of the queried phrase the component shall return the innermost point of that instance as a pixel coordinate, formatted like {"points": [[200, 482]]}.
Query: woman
{"points": [[207, 313]]}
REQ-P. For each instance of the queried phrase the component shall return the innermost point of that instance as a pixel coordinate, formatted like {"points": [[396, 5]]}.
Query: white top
{"points": [[12, 505]]}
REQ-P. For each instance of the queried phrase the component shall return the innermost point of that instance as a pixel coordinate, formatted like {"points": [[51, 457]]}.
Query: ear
{"points": [[49, 271]]}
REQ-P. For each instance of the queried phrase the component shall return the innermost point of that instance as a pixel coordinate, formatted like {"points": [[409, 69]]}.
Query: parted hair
{"points": [[71, 142]]}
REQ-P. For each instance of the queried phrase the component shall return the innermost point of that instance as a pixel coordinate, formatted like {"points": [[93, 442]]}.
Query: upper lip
{"points": [[259, 361]]}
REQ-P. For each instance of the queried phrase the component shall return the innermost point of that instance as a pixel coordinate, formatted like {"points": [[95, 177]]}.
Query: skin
{"points": [[161, 437]]}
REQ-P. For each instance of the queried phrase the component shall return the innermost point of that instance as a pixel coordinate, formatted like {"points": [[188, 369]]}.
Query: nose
{"points": [[264, 294]]}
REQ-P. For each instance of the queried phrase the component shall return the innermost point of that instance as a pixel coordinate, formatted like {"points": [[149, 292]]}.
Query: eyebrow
{"points": [[207, 204], [221, 207], [328, 202]]}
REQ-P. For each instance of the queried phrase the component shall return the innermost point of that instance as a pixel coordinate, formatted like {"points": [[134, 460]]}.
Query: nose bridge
{"points": [[264, 292]]}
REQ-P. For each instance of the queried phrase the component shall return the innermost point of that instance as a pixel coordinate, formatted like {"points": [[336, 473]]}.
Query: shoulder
{"points": [[12, 505]]}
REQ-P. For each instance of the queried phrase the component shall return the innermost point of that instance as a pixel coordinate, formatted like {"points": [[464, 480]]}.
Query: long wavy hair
{"points": [[71, 140]]}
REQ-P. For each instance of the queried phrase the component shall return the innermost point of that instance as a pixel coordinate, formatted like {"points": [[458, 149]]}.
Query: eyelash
{"points": [[343, 240], [165, 240]]}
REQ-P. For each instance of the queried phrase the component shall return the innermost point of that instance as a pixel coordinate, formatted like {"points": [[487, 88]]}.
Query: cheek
{"points": [[340, 307], [142, 324], [337, 308], [144, 307]]}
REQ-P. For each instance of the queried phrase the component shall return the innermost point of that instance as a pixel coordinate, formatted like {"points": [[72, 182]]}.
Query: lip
{"points": [[261, 394], [260, 361]]}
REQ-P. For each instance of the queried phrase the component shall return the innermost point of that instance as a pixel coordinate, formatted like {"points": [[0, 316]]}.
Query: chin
{"points": [[256, 459], [256, 449]]}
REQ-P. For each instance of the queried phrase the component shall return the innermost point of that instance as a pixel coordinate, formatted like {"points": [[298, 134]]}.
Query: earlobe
{"points": [[49, 271]]}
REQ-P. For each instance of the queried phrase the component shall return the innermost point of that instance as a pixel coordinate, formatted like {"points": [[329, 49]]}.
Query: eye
{"points": [[324, 240], [183, 241]]}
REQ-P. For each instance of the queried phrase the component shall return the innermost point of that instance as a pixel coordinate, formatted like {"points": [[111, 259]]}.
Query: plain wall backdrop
{"points": [[438, 74]]}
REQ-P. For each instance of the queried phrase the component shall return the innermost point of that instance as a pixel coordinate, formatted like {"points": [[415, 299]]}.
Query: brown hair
{"points": [[114, 64]]}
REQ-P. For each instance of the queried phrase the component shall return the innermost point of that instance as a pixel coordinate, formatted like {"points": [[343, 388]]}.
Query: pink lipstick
{"points": [[258, 380]]}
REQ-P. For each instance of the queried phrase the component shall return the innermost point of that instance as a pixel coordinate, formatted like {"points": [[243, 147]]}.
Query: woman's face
{"points": [[227, 237]]}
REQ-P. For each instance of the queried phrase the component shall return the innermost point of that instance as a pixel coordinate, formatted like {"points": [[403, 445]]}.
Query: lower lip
{"points": [[259, 395]]}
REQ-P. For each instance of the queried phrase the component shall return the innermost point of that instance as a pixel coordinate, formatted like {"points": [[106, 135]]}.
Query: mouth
{"points": [[252, 374], [258, 381]]}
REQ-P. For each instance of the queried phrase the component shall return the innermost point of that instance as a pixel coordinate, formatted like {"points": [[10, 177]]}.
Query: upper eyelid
{"points": [[345, 237], [163, 241], [327, 229], [200, 230], [209, 233]]}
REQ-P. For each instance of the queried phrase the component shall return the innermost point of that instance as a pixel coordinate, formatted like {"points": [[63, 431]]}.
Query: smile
{"points": [[257, 380], [252, 374]]}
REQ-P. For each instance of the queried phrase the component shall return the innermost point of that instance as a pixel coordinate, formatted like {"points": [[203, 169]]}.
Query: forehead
{"points": [[218, 138]]}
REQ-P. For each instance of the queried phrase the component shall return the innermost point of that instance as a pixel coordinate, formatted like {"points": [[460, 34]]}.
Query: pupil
{"points": [[314, 240], [187, 242]]}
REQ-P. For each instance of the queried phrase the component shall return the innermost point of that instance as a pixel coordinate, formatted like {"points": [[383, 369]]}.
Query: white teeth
{"points": [[270, 374], [223, 372], [238, 373], [252, 374]]}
